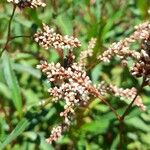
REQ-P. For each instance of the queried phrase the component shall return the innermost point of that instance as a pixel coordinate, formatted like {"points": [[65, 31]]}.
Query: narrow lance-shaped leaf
{"points": [[22, 125], [12, 83], [24, 68]]}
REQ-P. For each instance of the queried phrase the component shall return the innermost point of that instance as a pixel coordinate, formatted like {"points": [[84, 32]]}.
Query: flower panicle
{"points": [[128, 93], [47, 38], [88, 52], [70, 84], [122, 48], [28, 3], [141, 68], [56, 133]]}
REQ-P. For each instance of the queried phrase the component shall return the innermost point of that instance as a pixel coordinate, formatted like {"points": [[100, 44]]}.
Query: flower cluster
{"points": [[28, 3], [122, 48], [48, 38], [129, 94], [70, 81], [142, 67], [71, 84], [87, 53], [56, 133]]}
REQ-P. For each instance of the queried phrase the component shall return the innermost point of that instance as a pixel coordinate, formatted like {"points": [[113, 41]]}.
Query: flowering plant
{"points": [[76, 89]]}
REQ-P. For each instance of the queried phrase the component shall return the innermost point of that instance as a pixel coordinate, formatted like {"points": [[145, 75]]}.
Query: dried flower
{"points": [[87, 53], [48, 38], [104, 89], [28, 3]]}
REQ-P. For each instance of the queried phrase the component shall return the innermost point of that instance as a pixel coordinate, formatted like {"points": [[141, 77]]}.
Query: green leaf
{"points": [[138, 123], [24, 68], [96, 127], [115, 143], [12, 83], [22, 125], [4, 90], [65, 24]]}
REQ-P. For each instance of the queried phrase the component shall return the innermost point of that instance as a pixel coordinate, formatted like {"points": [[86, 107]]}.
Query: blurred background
{"points": [[27, 114]]}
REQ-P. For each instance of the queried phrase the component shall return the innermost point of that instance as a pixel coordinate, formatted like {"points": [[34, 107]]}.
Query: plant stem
{"points": [[130, 105], [97, 94], [121, 134], [9, 30], [110, 106], [126, 112], [20, 36]]}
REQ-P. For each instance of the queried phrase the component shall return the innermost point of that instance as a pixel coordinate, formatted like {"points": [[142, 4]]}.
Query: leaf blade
{"points": [[22, 125], [12, 83]]}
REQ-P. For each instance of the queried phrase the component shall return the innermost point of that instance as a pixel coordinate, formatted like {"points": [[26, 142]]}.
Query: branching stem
{"points": [[20, 36], [110, 106], [126, 112], [9, 30]]}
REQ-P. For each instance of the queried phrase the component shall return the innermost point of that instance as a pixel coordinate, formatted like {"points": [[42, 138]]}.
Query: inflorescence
{"points": [[71, 83], [48, 38], [28, 3], [73, 86], [122, 48], [141, 67], [87, 53], [123, 94]]}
